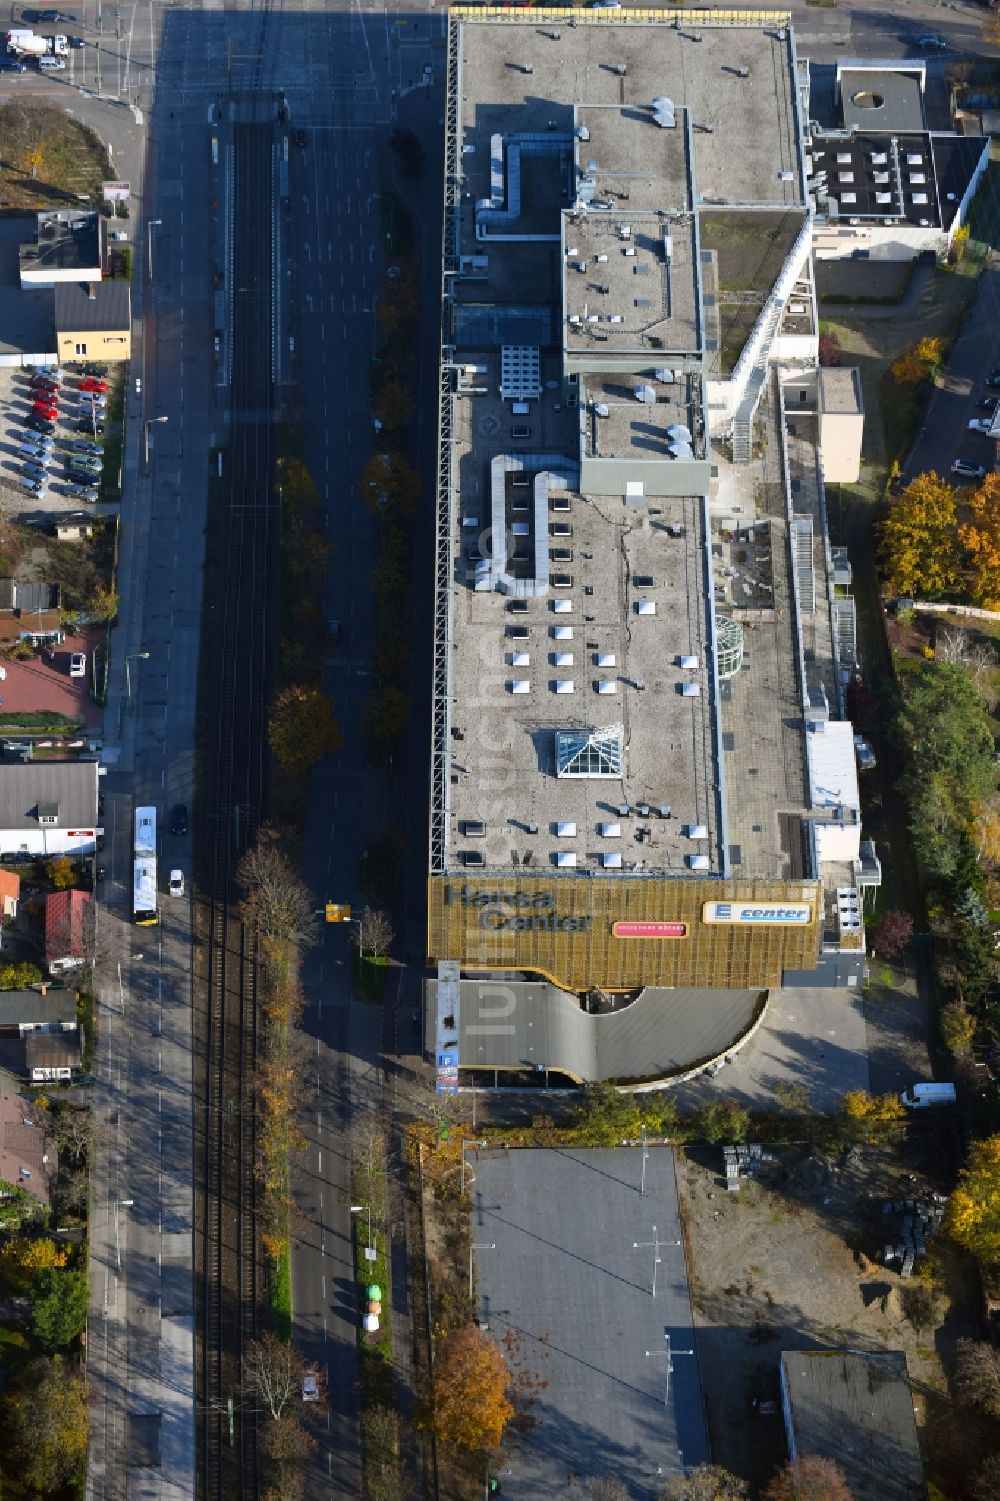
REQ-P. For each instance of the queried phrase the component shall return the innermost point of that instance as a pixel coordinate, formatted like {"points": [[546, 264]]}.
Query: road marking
{"points": [[319, 1164]]}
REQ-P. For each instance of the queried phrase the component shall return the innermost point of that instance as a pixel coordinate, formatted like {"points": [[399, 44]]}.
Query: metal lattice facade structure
{"points": [[563, 927]]}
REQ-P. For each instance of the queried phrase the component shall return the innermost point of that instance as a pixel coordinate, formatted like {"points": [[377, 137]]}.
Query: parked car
{"points": [[78, 664], [964, 470], [81, 491], [43, 388], [39, 424], [84, 445], [94, 383], [177, 884], [76, 41], [34, 471], [988, 403], [90, 401], [35, 487], [101, 370], [87, 425], [80, 464], [310, 1383], [922, 1096], [980, 424], [993, 379], [12, 65], [179, 819]]}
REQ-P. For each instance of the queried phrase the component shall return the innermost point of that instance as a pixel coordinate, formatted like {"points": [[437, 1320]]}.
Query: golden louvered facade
{"points": [[563, 928]]}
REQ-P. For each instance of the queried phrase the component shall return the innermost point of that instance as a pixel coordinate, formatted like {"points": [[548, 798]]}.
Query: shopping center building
{"points": [[645, 799]]}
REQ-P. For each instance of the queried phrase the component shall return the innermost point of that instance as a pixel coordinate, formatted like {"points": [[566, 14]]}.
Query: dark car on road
{"points": [[179, 819], [12, 65], [47, 16], [76, 41]]}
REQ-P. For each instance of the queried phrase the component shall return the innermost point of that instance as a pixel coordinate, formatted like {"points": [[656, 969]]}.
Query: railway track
{"points": [[242, 540]]}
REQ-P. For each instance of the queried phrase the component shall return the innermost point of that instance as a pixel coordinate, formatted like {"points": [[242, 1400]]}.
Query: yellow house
{"points": [[93, 320]]}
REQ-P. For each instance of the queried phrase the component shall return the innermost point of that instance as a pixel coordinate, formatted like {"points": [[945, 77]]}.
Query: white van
{"points": [[921, 1096], [52, 64]]}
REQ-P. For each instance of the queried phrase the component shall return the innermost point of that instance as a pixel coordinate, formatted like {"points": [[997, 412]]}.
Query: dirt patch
{"points": [[793, 1262], [47, 158]]}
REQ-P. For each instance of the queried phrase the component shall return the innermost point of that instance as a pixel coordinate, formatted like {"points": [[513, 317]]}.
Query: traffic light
{"points": [[493, 1486]]}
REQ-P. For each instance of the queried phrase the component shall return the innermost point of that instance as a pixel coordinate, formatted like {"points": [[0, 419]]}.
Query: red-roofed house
{"points": [[27, 1157], [10, 892], [67, 926]]}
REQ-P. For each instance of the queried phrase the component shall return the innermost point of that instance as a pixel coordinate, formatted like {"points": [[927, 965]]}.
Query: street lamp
{"points": [[367, 1208], [145, 433], [136, 656], [123, 1204], [478, 1245], [669, 1353], [153, 224], [656, 1244]]}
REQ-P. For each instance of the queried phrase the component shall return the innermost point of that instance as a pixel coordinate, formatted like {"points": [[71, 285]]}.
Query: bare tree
{"points": [[977, 1376], [272, 1374], [73, 1131], [603, 1488], [704, 1483], [277, 904], [374, 934], [960, 647]]}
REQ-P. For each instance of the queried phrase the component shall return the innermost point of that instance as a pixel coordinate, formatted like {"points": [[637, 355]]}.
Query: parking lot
{"points": [[962, 385], [51, 442], [567, 1248]]}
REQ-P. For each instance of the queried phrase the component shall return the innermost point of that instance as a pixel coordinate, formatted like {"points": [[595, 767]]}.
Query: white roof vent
{"points": [[645, 607], [562, 606], [696, 831], [565, 830], [561, 632], [563, 685], [688, 663], [611, 859], [786, 176], [606, 685], [610, 830], [645, 394], [690, 690], [562, 659], [601, 409], [606, 659], [520, 659], [565, 858], [520, 685], [697, 862]]}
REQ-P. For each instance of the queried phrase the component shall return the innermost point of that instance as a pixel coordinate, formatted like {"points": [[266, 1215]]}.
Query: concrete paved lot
{"points": [[572, 1303], [811, 1037]]}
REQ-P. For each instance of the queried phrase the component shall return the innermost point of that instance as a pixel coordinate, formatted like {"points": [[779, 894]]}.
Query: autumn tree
{"points": [[272, 1374], [62, 873], [19, 976], [921, 362], [284, 1439], [103, 604], [723, 1120], [17, 1206], [21, 1261], [394, 403], [980, 537], [397, 303], [384, 719], [469, 1404], [809, 1478], [704, 1483], [45, 1427], [958, 1028], [375, 934], [972, 1217], [920, 539], [892, 933], [302, 728], [277, 903], [829, 348], [388, 485], [866, 1116], [59, 1302]]}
